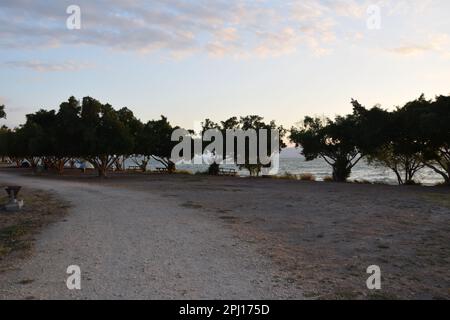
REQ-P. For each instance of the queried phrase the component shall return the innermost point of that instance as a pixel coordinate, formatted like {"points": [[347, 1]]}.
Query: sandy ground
{"points": [[139, 245], [181, 236]]}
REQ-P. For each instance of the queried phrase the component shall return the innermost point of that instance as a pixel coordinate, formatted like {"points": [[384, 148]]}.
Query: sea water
{"points": [[293, 163]]}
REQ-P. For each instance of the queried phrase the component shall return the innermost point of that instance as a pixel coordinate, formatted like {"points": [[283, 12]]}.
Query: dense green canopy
{"points": [[405, 140]]}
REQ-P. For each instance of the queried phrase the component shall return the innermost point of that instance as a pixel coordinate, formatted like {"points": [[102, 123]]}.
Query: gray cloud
{"points": [[180, 27]]}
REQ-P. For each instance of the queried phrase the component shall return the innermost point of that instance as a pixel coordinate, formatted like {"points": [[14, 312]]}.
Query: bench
{"points": [[134, 168], [227, 172]]}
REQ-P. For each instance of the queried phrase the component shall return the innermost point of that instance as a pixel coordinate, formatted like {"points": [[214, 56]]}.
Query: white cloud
{"points": [[437, 43], [350, 8], [47, 66]]}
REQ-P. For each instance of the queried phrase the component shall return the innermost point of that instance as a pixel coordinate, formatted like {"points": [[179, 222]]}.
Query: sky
{"points": [[197, 59]]}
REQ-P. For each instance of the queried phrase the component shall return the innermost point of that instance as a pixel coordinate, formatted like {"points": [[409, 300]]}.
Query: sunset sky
{"points": [[190, 60]]}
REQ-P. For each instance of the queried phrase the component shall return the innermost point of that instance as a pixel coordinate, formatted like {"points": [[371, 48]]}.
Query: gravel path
{"points": [[139, 245]]}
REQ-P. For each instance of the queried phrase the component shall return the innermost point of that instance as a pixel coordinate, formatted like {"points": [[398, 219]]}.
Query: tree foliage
{"points": [[405, 140], [337, 141], [91, 131], [256, 125]]}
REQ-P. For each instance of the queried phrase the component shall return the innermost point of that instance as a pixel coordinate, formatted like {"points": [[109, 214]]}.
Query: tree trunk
{"points": [[340, 172], [171, 167], [60, 164], [399, 177], [143, 165], [101, 172]]}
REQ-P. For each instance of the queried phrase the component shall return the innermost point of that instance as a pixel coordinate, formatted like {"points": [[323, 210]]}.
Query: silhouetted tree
{"points": [[432, 121], [401, 150], [67, 141], [2, 112], [158, 136], [252, 122], [134, 127], [105, 137], [341, 142]]}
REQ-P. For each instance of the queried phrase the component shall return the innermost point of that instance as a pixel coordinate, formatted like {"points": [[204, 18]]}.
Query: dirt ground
{"points": [[323, 236], [18, 229]]}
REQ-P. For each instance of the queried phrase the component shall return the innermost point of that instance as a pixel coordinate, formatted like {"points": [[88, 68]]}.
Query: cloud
{"points": [[48, 67], [234, 27], [350, 8], [408, 7], [410, 50], [238, 28], [438, 43]]}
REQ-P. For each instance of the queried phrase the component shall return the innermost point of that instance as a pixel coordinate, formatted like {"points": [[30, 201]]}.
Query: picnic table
{"points": [[227, 172], [134, 168]]}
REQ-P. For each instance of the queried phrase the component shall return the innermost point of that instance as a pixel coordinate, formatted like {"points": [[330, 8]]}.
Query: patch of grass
{"points": [[307, 177], [17, 229], [380, 295], [11, 238], [286, 176], [345, 295], [328, 179], [183, 172], [12, 232]]}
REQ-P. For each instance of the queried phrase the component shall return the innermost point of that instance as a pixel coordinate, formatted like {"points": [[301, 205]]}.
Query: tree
{"points": [[144, 146], [252, 127], [38, 136], [2, 112], [158, 134], [257, 124], [338, 142], [68, 134], [134, 127], [105, 137], [433, 123], [214, 167], [3, 135], [401, 150]]}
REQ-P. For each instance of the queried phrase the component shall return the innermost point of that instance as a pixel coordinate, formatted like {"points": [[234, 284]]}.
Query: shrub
{"points": [[183, 172], [287, 176], [411, 183], [328, 179], [363, 181]]}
